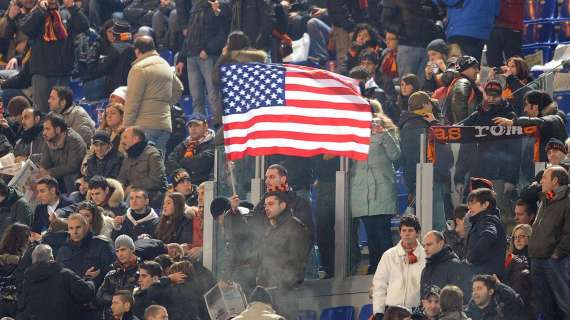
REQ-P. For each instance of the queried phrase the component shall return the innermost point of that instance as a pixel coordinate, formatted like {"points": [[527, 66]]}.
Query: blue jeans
{"points": [[159, 138], [550, 281], [411, 60], [200, 81], [319, 33]]}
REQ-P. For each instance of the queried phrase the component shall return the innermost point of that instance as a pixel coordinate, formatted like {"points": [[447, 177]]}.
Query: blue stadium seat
{"points": [[562, 99], [538, 32], [562, 31], [338, 313], [93, 108], [77, 88], [539, 9], [186, 104], [546, 49], [167, 55], [362, 236], [564, 10], [307, 315], [365, 312]]}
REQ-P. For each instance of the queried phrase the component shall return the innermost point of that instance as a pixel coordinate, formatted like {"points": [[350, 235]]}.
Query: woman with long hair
{"points": [[517, 73], [174, 226], [517, 266], [98, 223], [364, 37], [13, 245], [112, 121], [409, 84]]}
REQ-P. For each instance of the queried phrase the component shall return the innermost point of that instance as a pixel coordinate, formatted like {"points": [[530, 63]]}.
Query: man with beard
{"points": [[31, 140]]}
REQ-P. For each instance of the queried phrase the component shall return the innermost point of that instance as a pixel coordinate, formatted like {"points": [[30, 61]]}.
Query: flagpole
{"points": [[232, 178]]}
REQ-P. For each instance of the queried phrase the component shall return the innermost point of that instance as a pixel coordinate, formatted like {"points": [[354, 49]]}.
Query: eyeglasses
{"points": [[520, 237]]}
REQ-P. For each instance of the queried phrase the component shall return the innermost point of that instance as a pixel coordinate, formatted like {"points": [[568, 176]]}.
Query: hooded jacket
{"points": [[486, 243], [136, 224], [13, 209], [200, 166], [51, 292], [114, 202]]}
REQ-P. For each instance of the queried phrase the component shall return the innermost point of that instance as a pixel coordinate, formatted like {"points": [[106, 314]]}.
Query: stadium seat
{"points": [[77, 88], [546, 49], [562, 99], [539, 9], [362, 236], [307, 315], [562, 31], [564, 10], [338, 313], [365, 312], [167, 55], [186, 104], [537, 32]]}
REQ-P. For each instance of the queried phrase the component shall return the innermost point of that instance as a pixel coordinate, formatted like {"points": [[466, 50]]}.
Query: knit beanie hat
{"points": [[438, 45], [124, 241], [556, 144], [17, 105], [120, 92], [260, 294]]}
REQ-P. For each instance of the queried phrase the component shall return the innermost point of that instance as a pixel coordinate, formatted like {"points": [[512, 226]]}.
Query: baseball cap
{"points": [[101, 136], [418, 99]]}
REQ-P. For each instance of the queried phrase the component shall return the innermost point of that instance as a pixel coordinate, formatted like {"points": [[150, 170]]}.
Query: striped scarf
{"points": [[54, 29]]}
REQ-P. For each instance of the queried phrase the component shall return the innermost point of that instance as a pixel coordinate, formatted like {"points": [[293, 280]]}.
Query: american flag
{"points": [[292, 110]]}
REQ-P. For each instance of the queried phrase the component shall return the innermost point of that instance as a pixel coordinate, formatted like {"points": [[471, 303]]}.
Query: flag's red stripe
{"points": [[315, 104], [326, 90], [317, 75], [295, 152], [297, 136], [284, 118]]}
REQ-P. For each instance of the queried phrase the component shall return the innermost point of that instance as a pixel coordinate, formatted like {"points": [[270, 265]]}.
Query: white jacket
{"points": [[396, 282]]}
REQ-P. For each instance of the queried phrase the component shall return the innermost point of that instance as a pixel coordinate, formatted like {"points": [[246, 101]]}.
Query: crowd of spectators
{"points": [[111, 224]]}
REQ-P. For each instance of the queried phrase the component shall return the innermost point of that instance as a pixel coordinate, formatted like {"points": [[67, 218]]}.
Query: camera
{"points": [[498, 70]]}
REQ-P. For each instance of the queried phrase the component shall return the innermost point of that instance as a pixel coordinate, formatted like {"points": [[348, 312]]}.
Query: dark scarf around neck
{"points": [[29, 135], [137, 149]]}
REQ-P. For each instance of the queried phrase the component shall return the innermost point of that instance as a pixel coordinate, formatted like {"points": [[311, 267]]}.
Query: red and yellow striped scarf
{"points": [[54, 29]]}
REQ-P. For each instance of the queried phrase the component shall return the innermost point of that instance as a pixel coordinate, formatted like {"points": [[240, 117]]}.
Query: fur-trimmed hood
{"points": [[116, 197]]}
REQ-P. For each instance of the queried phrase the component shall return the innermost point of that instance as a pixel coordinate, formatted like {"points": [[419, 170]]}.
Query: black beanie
{"points": [[260, 294], [438, 45]]}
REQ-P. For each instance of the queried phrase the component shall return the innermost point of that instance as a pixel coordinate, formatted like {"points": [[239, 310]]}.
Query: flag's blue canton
{"points": [[252, 86]]}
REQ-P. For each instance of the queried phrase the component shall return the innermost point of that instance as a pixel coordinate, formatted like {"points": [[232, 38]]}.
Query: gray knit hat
{"points": [[124, 241]]}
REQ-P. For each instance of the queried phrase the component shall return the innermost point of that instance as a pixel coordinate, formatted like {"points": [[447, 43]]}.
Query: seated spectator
{"points": [[194, 248], [13, 245], [451, 303], [437, 51], [123, 275], [52, 204], [13, 207], [140, 218], [122, 305], [105, 161], [43, 289], [443, 267], [56, 235], [397, 313], [525, 212], [165, 261], [10, 122], [543, 112], [517, 267], [155, 312], [175, 251], [196, 153], [182, 183], [487, 240], [492, 299], [149, 273], [556, 153], [174, 226], [112, 122], [430, 303], [98, 224], [455, 237], [364, 37], [141, 159], [108, 194], [61, 102], [390, 286], [260, 306], [64, 153], [80, 190], [30, 140]]}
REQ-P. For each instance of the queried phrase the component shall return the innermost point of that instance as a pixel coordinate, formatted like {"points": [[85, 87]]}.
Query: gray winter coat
{"points": [[79, 120], [145, 172]]}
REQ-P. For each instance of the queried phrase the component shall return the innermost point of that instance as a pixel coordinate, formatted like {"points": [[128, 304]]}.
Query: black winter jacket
{"points": [[182, 301], [115, 66], [93, 251], [463, 100], [56, 58], [412, 21], [256, 19], [139, 12], [487, 243], [506, 304], [200, 166], [52, 292], [445, 268], [346, 14], [146, 224], [13, 209], [119, 278], [107, 167]]}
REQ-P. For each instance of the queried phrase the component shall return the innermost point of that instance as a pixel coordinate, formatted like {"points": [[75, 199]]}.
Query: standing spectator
{"points": [[196, 153], [364, 37], [413, 22], [108, 194], [140, 218], [518, 81], [344, 15], [549, 246], [543, 112], [373, 188], [61, 102], [397, 279], [255, 18], [284, 253], [51, 201], [166, 27], [52, 31], [443, 267], [463, 94], [525, 212], [64, 152], [455, 237], [149, 273], [556, 152], [451, 302], [437, 52], [31, 140], [139, 12], [122, 305], [123, 276], [174, 226], [409, 84], [492, 299], [48, 287], [469, 24], [506, 38], [155, 312], [206, 36], [487, 240], [142, 158], [105, 161], [13, 207], [260, 307], [153, 88]]}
